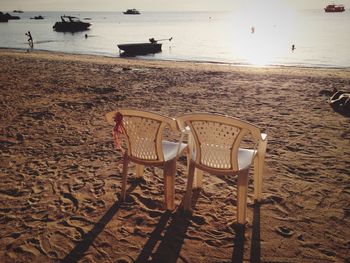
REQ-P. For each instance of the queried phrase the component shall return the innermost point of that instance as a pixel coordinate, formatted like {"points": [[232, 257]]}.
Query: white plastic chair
{"points": [[214, 147], [143, 132]]}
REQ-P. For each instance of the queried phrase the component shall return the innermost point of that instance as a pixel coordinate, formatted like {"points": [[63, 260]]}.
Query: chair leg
{"points": [[198, 176], [139, 170], [124, 177], [256, 179], [188, 196], [169, 184], [242, 188], [258, 176]]}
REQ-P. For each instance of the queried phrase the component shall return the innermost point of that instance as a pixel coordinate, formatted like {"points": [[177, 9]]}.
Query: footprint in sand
{"points": [[98, 186], [68, 202], [284, 231]]}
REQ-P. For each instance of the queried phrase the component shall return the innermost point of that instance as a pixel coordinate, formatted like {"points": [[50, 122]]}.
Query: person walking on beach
{"points": [[30, 40]]}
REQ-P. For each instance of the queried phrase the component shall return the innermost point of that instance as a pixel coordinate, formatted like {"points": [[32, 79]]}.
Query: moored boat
{"points": [[334, 8], [131, 12], [3, 18], [70, 24], [142, 48], [7, 16], [39, 17]]}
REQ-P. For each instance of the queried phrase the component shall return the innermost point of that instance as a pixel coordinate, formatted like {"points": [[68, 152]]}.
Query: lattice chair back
{"points": [[144, 133], [217, 139]]}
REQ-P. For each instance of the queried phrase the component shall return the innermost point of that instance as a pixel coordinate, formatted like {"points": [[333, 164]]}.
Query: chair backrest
{"points": [[144, 133], [217, 139]]}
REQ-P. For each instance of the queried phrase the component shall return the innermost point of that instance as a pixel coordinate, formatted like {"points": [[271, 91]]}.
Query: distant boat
{"points": [[70, 24], [131, 12], [7, 16], [37, 17], [142, 48], [17, 11], [3, 18], [334, 8]]}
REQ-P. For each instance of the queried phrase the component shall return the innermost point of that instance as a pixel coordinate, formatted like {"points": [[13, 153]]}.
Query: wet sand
{"points": [[60, 180]]}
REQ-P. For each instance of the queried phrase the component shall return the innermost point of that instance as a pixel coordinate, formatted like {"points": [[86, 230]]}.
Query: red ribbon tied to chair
{"points": [[118, 130]]}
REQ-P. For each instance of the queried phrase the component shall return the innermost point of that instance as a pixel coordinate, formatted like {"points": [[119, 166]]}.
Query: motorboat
{"points": [[334, 8], [3, 18], [70, 24], [131, 12], [39, 17], [7, 16]]}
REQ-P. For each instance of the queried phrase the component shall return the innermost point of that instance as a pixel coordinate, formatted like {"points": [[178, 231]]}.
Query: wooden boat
{"points": [[334, 8], [70, 24], [131, 12], [140, 48]]}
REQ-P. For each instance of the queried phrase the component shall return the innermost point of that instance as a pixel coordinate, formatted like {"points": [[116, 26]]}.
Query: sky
{"points": [[155, 5]]}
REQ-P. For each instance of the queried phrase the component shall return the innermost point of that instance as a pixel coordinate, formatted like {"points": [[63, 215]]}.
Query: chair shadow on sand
{"points": [[172, 240], [78, 251], [255, 252], [170, 243]]}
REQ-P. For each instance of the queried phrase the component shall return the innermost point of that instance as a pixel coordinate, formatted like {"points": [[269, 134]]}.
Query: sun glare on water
{"points": [[262, 31]]}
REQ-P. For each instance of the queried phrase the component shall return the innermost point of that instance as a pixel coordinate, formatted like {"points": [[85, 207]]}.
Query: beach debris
{"points": [[284, 231], [20, 137], [340, 101]]}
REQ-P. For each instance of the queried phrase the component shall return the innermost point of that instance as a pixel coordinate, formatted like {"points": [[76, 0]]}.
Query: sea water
{"points": [[320, 39]]}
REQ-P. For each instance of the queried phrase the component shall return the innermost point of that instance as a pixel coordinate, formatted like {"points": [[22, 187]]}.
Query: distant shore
{"points": [[59, 180]]}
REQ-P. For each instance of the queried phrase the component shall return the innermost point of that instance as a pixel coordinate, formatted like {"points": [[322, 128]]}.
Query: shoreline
{"points": [[59, 179], [182, 61]]}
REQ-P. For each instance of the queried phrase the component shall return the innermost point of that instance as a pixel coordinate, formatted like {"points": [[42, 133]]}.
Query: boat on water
{"points": [[37, 17], [3, 18], [131, 12], [6, 17], [141, 48], [71, 24], [334, 8]]}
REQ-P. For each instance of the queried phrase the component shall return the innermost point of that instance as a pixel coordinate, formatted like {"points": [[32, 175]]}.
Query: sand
{"points": [[60, 180]]}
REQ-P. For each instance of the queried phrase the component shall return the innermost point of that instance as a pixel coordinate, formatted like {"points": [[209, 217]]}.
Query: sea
{"points": [[302, 38]]}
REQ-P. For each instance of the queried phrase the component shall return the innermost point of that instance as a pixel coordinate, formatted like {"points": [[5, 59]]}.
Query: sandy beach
{"points": [[60, 180]]}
